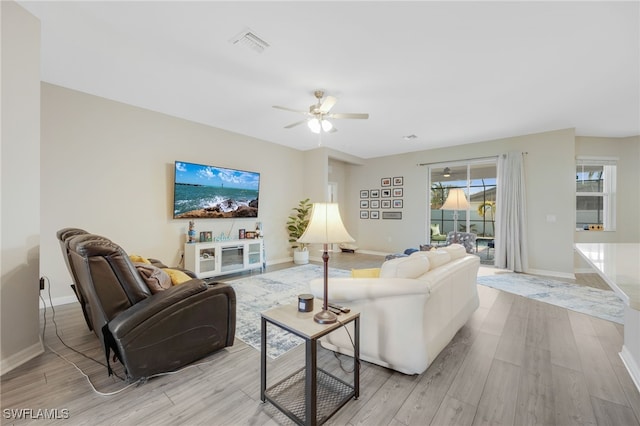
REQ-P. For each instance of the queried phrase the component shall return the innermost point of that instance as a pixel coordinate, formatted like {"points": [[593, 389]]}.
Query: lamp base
{"points": [[325, 317]]}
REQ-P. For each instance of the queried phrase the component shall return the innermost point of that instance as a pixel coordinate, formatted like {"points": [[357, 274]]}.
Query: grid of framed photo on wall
{"points": [[374, 203]]}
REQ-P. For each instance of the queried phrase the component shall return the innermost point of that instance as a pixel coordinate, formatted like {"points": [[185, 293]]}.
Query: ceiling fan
{"points": [[319, 113]]}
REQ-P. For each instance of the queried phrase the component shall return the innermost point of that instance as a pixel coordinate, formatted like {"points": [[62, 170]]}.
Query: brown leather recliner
{"points": [[64, 235], [150, 333]]}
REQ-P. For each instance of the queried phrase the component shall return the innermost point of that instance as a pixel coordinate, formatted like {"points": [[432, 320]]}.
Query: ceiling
{"points": [[449, 73]]}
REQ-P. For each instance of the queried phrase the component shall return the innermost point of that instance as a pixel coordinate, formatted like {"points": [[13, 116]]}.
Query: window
{"points": [[595, 194], [478, 180]]}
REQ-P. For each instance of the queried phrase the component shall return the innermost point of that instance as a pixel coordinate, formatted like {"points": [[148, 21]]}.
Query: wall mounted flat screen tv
{"points": [[202, 192]]}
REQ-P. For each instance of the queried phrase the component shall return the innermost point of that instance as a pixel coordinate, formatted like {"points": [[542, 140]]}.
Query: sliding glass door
{"points": [[477, 179]]}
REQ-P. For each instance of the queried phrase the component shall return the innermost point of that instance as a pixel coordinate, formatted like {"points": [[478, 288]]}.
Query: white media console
{"points": [[223, 257]]}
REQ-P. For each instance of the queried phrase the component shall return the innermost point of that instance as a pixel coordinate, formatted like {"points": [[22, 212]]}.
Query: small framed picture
{"points": [[385, 182], [398, 181], [250, 234], [364, 193], [386, 204], [397, 192], [397, 204], [374, 215], [203, 237], [241, 234], [364, 204], [374, 204], [375, 193], [386, 193], [364, 214]]}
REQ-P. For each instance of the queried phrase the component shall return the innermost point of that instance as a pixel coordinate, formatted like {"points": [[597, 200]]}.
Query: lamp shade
{"points": [[456, 200], [325, 226]]}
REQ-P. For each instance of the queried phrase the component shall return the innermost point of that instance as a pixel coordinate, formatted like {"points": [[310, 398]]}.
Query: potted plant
{"points": [[296, 225]]}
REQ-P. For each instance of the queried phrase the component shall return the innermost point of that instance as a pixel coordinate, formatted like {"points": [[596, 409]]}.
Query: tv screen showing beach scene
{"points": [[203, 192]]}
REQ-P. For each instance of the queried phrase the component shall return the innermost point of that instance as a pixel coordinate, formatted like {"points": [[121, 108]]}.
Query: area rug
{"points": [[258, 293], [587, 300]]}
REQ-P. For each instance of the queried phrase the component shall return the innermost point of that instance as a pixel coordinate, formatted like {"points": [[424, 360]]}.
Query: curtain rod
{"points": [[493, 157]]}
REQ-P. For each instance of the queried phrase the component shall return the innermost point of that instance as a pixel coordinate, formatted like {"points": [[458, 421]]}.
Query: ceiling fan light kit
{"points": [[319, 112], [316, 125]]}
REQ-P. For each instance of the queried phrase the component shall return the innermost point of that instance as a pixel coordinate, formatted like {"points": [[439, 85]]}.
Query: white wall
{"points": [[20, 159], [549, 167], [107, 167]]}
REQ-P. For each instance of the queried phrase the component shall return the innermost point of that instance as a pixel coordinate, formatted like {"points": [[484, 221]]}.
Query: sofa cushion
{"points": [[437, 257], [405, 267], [455, 250], [365, 273]]}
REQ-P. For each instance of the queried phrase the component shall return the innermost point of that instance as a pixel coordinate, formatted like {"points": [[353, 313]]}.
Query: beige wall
{"points": [[107, 167], [20, 158], [627, 153], [549, 167]]}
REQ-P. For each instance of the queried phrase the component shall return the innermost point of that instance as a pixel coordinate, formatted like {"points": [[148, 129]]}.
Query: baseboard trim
{"points": [[376, 253], [584, 271], [632, 367], [17, 359], [278, 261], [556, 274]]}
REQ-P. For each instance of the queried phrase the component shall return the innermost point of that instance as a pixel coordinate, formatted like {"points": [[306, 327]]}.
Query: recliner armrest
{"points": [[174, 327], [161, 301]]}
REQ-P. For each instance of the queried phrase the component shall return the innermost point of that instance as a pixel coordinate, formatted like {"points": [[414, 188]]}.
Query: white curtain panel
{"points": [[511, 214]]}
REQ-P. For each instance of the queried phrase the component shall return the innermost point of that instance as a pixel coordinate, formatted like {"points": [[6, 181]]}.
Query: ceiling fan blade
{"points": [[290, 109], [297, 123], [328, 103], [349, 115]]}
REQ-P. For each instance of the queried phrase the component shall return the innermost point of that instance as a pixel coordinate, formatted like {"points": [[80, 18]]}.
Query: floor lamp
{"points": [[325, 227], [456, 200]]}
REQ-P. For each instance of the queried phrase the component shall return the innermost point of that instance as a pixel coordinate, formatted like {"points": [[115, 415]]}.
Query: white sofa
{"points": [[411, 312]]}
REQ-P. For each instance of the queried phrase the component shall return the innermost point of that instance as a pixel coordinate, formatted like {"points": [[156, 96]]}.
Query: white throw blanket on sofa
{"points": [[411, 312]]}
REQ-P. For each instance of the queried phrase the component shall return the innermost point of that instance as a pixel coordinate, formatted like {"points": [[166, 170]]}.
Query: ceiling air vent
{"points": [[248, 38]]}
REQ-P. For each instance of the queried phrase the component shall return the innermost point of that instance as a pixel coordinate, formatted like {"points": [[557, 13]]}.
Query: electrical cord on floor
{"points": [[53, 319], [337, 354], [137, 382]]}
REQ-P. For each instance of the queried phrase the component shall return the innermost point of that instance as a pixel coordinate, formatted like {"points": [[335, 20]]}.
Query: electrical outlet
{"points": [[41, 283]]}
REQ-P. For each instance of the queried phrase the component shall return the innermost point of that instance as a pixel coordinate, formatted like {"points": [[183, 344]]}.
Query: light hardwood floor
{"points": [[516, 362]]}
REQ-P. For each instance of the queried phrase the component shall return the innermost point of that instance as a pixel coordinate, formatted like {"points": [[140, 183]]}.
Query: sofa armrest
{"points": [[350, 289]]}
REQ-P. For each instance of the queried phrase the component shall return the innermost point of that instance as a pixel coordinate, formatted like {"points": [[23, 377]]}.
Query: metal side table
{"points": [[310, 395]]}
